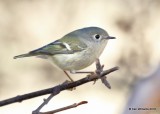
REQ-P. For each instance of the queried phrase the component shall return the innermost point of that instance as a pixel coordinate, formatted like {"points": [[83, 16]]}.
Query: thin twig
{"points": [[65, 108], [42, 105], [99, 70]]}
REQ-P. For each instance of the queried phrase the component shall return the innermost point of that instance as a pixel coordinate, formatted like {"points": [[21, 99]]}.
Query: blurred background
{"points": [[29, 24]]}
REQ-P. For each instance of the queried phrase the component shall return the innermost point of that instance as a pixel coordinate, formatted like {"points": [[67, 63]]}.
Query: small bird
{"points": [[74, 51]]}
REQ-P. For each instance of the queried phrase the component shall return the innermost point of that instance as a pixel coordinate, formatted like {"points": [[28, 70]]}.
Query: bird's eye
{"points": [[97, 36]]}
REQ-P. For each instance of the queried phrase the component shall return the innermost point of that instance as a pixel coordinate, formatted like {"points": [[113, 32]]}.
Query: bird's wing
{"points": [[60, 47], [66, 45]]}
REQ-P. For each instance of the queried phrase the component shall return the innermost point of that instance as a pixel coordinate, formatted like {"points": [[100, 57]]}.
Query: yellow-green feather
{"points": [[57, 47]]}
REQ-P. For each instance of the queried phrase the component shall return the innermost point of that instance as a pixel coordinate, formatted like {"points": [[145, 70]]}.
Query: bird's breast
{"points": [[77, 60]]}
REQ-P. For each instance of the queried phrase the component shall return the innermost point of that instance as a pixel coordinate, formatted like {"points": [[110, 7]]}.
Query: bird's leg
{"points": [[69, 81], [68, 76], [81, 72]]}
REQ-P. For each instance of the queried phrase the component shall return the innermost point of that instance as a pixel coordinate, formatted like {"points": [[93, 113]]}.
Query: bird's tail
{"points": [[23, 55]]}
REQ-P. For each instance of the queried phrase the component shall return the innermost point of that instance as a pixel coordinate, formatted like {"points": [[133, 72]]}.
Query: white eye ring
{"points": [[97, 36]]}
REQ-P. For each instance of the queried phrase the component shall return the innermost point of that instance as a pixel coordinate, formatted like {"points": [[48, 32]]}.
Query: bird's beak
{"points": [[110, 37]]}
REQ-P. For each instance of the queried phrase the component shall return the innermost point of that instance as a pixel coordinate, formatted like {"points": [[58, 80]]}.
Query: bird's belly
{"points": [[76, 61]]}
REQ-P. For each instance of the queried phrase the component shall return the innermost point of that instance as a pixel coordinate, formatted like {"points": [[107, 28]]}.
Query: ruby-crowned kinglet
{"points": [[74, 51]]}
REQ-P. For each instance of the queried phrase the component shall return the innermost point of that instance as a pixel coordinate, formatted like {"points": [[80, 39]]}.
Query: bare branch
{"points": [[64, 86]]}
